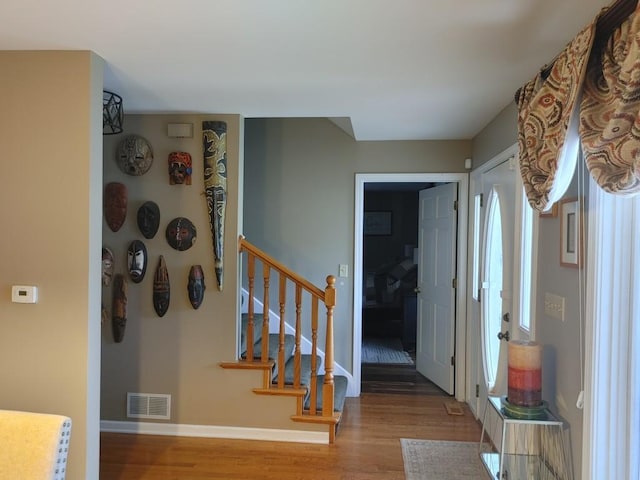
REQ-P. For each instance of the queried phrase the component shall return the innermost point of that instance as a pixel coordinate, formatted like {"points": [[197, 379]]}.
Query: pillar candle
{"points": [[525, 374]]}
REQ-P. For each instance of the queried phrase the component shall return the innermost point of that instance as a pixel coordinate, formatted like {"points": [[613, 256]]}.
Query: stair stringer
{"points": [[305, 343]]}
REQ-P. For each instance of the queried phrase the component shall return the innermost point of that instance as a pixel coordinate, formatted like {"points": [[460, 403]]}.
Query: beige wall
{"points": [[561, 340], [50, 132], [300, 190], [179, 353]]}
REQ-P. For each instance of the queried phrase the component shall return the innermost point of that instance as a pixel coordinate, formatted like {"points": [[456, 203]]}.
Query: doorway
{"points": [[360, 279]]}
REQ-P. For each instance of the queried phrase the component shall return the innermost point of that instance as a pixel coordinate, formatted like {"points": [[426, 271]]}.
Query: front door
{"points": [[499, 193], [435, 346]]}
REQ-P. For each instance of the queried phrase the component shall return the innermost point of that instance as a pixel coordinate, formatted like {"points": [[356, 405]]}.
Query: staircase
{"points": [[287, 370]]}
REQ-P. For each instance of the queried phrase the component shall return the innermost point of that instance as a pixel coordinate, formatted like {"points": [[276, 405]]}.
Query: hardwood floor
{"points": [[367, 446], [396, 379]]}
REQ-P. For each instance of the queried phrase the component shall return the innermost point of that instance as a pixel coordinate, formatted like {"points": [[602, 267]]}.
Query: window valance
{"points": [[548, 123], [590, 98], [610, 111]]}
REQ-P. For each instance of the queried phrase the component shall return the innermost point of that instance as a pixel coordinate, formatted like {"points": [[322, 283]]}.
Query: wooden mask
{"points": [[119, 310], [161, 288], [196, 286], [181, 233], [179, 168], [115, 205], [149, 219]]}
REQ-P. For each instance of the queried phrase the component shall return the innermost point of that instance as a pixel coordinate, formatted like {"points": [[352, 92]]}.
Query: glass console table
{"points": [[530, 449]]}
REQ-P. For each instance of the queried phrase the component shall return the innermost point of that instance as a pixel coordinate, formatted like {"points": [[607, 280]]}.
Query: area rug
{"points": [[384, 350], [440, 460]]}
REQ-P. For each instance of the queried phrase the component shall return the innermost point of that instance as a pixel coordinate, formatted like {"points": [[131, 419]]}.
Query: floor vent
{"points": [[149, 405]]}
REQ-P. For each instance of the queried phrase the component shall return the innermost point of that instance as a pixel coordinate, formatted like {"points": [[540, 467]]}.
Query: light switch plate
{"points": [[343, 270], [554, 306]]}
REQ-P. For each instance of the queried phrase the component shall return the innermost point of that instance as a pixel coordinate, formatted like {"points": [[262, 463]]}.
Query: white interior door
{"points": [[435, 346], [499, 190]]}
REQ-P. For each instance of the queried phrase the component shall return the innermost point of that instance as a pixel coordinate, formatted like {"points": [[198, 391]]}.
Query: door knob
{"points": [[504, 336], [416, 290]]}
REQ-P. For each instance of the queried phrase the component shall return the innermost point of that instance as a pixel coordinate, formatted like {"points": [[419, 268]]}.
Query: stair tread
{"points": [[305, 369], [340, 393], [273, 346]]}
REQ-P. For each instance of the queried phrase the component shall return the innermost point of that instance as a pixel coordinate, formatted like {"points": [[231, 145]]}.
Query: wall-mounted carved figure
{"points": [[181, 233], [214, 136], [134, 155], [119, 310], [115, 205], [179, 168], [107, 266], [161, 288], [137, 260], [148, 219], [196, 286]]}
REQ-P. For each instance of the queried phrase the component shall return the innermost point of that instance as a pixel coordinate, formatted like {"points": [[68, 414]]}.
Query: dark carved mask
{"points": [[181, 233], [115, 205], [161, 288], [119, 307], [196, 286], [107, 266], [179, 168], [149, 219], [134, 155], [137, 260]]}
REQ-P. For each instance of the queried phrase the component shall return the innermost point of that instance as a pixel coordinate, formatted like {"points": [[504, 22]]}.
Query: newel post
{"points": [[328, 386]]}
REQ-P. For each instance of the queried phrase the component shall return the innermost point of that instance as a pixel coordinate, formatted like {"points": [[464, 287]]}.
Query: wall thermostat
{"points": [[24, 294]]}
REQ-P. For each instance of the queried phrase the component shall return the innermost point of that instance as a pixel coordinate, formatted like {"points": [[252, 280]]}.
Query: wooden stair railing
{"points": [[327, 297]]}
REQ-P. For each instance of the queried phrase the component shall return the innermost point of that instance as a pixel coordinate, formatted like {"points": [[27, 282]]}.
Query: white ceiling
{"points": [[399, 69]]}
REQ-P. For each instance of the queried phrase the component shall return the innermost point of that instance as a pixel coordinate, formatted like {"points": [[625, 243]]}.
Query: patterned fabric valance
{"points": [[610, 111], [548, 123]]}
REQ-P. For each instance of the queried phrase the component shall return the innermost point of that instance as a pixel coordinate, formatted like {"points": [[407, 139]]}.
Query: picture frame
{"points": [[571, 237], [551, 213], [377, 223]]}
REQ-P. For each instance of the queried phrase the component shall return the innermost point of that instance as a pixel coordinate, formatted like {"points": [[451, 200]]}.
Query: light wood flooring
{"points": [[367, 446]]}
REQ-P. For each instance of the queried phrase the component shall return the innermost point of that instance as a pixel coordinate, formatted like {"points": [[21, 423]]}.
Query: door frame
{"points": [[462, 179]]}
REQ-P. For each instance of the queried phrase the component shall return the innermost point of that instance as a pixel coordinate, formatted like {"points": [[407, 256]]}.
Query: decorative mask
{"points": [[149, 219], [196, 286], [137, 260], [179, 168], [107, 266], [134, 155], [119, 310], [161, 288], [181, 233], [115, 205]]}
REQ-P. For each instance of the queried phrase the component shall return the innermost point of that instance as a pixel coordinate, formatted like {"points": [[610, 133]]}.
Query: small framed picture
{"points": [[377, 223], [552, 213], [571, 243]]}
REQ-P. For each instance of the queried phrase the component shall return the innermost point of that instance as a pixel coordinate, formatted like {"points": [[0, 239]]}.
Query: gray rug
{"points": [[440, 460], [384, 350]]}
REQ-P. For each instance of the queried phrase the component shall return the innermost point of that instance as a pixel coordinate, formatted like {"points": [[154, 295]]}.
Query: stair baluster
{"points": [[283, 299], [266, 272], [314, 357], [297, 353], [251, 272]]}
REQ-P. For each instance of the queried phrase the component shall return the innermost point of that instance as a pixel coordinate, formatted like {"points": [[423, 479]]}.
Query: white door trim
{"points": [[461, 295]]}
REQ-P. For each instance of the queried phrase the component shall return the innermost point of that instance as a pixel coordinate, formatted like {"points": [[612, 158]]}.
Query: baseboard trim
{"points": [[214, 431]]}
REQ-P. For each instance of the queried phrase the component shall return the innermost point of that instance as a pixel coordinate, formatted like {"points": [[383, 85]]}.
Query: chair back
{"points": [[33, 446]]}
